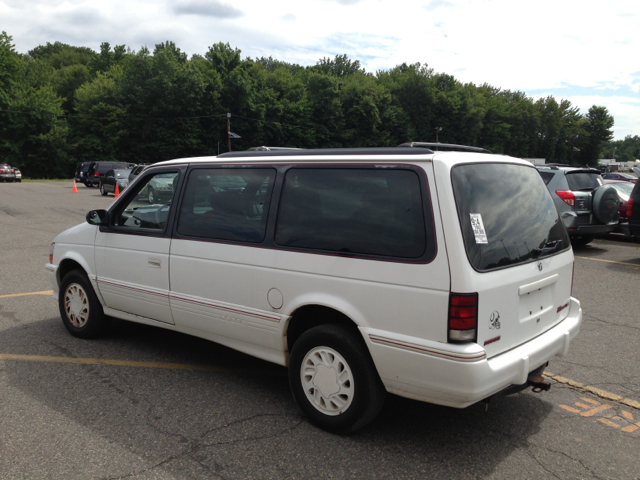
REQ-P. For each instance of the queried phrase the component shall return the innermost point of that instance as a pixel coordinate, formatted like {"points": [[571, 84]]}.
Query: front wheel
{"points": [[334, 380], [151, 196], [80, 309], [102, 190]]}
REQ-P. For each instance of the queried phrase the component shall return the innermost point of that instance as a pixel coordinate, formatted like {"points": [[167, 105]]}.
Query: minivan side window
{"points": [[227, 204], [352, 210], [144, 211]]}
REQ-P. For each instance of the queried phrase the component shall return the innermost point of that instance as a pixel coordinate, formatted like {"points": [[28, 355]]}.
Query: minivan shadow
{"points": [[205, 417]]}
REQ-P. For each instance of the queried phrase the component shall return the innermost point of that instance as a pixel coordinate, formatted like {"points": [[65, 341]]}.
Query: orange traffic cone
{"points": [[74, 189], [117, 192]]}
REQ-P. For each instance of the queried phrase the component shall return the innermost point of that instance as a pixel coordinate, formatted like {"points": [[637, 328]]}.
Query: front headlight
{"points": [[51, 247]]}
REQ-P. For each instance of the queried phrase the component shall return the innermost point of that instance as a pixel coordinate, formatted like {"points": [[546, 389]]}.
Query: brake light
{"points": [[568, 197], [96, 174], [629, 207], [463, 317]]}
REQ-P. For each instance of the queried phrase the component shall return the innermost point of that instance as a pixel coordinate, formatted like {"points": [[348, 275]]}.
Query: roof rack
{"points": [[327, 151], [270, 149], [444, 145]]}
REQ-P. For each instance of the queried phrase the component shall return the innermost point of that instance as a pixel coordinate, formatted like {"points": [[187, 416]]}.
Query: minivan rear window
{"points": [[506, 214], [352, 211]]}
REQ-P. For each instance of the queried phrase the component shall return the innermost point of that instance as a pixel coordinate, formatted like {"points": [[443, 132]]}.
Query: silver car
{"points": [[587, 206]]}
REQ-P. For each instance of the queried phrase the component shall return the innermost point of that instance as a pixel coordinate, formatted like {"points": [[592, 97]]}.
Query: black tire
{"points": [[360, 391], [102, 190], [87, 184], [80, 309], [582, 240], [151, 196]]}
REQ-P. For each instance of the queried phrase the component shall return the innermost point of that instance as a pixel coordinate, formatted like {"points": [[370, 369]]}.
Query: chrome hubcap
{"points": [[327, 381], [76, 305]]}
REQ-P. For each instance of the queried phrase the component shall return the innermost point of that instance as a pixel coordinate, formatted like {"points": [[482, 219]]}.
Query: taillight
{"points": [[568, 197], [463, 317], [96, 174], [629, 207]]}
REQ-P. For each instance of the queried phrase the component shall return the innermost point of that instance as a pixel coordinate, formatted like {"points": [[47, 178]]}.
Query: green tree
{"points": [[597, 131]]}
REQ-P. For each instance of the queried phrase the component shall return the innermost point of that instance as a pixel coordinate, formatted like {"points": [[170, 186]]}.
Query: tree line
{"points": [[61, 105]]}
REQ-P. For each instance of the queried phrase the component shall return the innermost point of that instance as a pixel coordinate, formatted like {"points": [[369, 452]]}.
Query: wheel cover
{"points": [[76, 305], [151, 197], [327, 381]]}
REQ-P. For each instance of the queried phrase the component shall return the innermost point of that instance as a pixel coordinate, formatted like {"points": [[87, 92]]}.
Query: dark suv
{"points": [[587, 206], [97, 170], [81, 174]]}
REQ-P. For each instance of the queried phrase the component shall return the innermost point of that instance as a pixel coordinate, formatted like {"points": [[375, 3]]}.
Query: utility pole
{"points": [[438, 129], [229, 130]]}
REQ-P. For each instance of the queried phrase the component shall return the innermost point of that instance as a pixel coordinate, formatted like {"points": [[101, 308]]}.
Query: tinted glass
{"points": [[361, 211], [121, 173], [583, 181], [227, 204], [513, 205], [546, 176]]}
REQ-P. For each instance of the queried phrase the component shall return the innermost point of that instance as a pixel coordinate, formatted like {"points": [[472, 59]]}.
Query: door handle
{"points": [[154, 262]]}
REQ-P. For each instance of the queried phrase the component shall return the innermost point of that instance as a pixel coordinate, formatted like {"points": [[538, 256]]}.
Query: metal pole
{"points": [[229, 130]]}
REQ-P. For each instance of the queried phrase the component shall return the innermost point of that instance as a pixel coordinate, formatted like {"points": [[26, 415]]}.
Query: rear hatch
{"points": [[518, 254], [583, 183]]}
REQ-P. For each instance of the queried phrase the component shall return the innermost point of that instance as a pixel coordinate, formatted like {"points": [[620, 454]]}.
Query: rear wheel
{"points": [[80, 309], [102, 190], [151, 196], [334, 380]]}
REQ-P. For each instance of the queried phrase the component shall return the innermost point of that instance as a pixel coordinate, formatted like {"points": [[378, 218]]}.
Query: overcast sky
{"points": [[586, 52]]}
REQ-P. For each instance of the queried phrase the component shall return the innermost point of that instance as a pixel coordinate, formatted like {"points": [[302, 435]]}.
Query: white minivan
{"points": [[439, 276]]}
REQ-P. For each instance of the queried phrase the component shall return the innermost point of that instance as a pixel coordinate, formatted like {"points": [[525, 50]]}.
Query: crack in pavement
{"points": [[570, 458], [610, 323], [194, 448]]}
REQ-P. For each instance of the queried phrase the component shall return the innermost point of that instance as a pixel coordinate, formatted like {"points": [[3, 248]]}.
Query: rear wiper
{"points": [[549, 247]]}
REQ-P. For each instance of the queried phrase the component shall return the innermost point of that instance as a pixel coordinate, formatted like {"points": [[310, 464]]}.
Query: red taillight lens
{"points": [[463, 317], [568, 197], [96, 174], [629, 207]]}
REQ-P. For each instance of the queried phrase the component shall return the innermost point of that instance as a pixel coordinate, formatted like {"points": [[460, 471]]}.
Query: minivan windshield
{"points": [[506, 214]]}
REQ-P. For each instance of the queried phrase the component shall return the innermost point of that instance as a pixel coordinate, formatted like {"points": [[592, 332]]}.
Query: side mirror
{"points": [[98, 217]]}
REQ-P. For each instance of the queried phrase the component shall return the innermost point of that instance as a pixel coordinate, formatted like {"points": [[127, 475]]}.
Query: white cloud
{"points": [[209, 8], [569, 45]]}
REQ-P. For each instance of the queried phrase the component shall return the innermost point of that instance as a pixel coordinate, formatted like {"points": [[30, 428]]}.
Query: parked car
{"points": [[6, 173], [82, 173], [18, 174], [624, 191], [623, 177], [137, 170], [112, 178], [444, 277], [159, 189], [633, 208], [97, 170], [587, 206]]}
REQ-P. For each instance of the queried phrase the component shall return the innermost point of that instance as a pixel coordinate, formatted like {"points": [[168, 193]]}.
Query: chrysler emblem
{"points": [[540, 266]]}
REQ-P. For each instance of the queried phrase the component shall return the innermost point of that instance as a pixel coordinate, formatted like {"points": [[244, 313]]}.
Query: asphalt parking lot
{"points": [[145, 403]]}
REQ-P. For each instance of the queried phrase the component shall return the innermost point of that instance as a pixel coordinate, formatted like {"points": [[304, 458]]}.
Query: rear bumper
{"points": [[592, 229], [458, 376]]}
